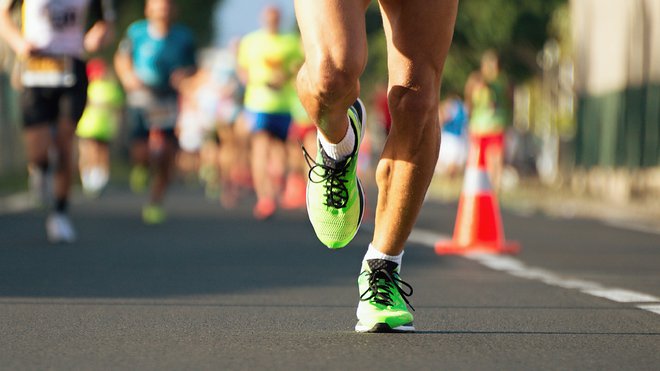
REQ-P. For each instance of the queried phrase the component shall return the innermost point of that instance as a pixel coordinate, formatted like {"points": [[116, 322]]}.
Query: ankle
{"points": [[341, 150]]}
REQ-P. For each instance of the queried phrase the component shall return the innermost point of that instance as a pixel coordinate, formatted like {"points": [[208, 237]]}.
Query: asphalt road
{"points": [[213, 289]]}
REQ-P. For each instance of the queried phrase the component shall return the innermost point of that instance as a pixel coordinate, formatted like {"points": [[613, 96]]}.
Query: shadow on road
{"points": [[200, 250]]}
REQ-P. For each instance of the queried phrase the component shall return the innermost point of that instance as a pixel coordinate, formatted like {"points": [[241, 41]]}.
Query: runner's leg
{"points": [[418, 37], [335, 42], [64, 172], [38, 139], [164, 166]]}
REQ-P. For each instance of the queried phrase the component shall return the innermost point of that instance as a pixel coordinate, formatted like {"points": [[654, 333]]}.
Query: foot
{"points": [[153, 214], [335, 199], [383, 303], [59, 228], [264, 209]]}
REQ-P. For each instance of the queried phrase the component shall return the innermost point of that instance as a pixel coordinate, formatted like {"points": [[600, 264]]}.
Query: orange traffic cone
{"points": [[478, 222]]}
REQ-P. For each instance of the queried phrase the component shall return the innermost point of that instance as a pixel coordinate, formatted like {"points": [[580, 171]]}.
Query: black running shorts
{"points": [[46, 106]]}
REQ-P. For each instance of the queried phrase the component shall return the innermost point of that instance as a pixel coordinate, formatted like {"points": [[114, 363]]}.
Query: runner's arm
{"points": [[102, 32], [10, 31], [124, 67], [188, 68]]}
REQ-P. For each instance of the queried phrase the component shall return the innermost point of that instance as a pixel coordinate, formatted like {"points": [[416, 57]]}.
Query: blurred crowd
{"points": [[230, 119]]}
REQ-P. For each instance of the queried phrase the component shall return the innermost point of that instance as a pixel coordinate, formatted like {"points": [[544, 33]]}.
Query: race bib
{"points": [[48, 72]]}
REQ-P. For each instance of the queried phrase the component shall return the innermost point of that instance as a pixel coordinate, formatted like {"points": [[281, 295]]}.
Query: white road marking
{"points": [[517, 268], [655, 308], [623, 296]]}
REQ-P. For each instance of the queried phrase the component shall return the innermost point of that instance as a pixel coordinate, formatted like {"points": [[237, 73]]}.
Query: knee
{"points": [[332, 77], [410, 104], [414, 115]]}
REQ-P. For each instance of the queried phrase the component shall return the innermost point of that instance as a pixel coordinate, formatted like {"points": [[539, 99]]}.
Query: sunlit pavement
{"points": [[213, 289]]}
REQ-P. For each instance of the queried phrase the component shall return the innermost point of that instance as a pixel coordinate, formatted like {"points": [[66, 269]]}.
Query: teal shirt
{"points": [[155, 58]]}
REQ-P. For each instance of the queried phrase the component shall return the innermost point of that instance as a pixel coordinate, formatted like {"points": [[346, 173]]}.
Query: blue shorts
{"points": [[276, 124]]}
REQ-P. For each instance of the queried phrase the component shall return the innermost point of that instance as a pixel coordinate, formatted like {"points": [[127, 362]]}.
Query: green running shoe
{"points": [[383, 301], [335, 199], [153, 214]]}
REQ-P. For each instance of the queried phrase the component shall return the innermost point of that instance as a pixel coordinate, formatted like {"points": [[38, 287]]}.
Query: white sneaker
{"points": [[60, 229]]}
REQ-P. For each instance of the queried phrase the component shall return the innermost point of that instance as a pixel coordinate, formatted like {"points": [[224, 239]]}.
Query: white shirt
{"points": [[58, 26]]}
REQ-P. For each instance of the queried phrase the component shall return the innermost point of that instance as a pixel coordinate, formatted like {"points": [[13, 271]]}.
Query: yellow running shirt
{"points": [[270, 61]]}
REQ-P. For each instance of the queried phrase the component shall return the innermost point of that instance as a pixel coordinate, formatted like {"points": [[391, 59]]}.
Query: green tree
{"points": [[517, 29]]}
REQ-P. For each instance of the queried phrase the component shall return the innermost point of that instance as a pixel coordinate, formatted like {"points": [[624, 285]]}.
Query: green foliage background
{"points": [[196, 14], [517, 29]]}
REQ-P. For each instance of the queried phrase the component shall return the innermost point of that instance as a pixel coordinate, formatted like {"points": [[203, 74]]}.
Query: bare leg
{"points": [[85, 154], [37, 141], [64, 172], [260, 175], [164, 167], [328, 81], [103, 155], [140, 152], [277, 165], [418, 37]]}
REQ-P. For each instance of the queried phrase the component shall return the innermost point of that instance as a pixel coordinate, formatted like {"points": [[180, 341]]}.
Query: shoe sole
{"points": [[361, 112], [384, 328]]}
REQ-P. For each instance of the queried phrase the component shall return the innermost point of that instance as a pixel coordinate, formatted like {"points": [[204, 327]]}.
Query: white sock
{"points": [[372, 253], [341, 150]]}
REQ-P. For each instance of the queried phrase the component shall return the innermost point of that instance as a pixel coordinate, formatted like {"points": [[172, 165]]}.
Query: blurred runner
{"points": [[199, 96], [209, 108], [488, 99], [454, 145], [268, 59], [97, 127], [418, 36], [50, 48], [233, 152], [152, 61]]}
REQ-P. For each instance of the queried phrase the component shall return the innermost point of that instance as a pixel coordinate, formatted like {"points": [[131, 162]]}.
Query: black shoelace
{"points": [[332, 174], [380, 283]]}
